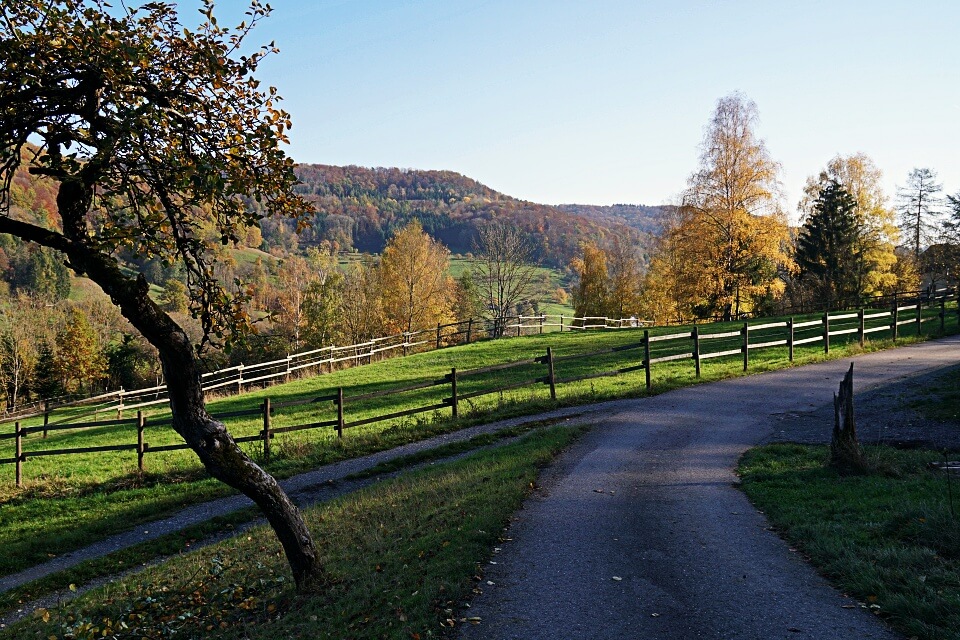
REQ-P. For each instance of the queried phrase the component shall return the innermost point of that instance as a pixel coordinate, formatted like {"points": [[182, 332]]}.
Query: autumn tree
{"points": [[669, 289], [731, 215], [294, 277], [22, 334], [80, 357], [827, 247], [877, 234], [175, 297], [591, 293], [505, 271], [321, 308], [920, 207], [625, 275], [415, 290], [361, 314], [155, 134]]}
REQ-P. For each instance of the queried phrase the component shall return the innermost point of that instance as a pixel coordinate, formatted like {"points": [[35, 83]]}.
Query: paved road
{"points": [[639, 533]]}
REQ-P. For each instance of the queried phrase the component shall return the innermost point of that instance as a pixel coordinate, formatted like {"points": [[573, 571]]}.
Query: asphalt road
{"points": [[639, 532]]}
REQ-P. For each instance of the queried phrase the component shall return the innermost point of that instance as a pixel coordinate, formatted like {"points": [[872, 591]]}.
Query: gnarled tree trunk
{"points": [[208, 438]]}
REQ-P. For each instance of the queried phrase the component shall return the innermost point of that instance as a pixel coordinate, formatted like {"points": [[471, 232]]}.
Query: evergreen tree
{"points": [[826, 248], [47, 382]]}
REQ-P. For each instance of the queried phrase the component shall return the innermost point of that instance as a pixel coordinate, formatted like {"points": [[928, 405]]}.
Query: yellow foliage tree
{"points": [[730, 221], [591, 294], [415, 290]]}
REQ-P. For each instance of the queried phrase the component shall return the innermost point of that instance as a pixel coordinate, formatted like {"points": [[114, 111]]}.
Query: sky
{"points": [[606, 101]]}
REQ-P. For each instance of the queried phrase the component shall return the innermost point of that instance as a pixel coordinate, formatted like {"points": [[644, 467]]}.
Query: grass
{"points": [[399, 556], [71, 501], [940, 400], [888, 538]]}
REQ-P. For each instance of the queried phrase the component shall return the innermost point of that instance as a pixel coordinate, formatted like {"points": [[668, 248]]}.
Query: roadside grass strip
{"points": [[399, 557], [887, 538]]}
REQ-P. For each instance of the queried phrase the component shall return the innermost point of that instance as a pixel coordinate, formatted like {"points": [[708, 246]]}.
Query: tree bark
{"points": [[846, 455], [207, 437]]}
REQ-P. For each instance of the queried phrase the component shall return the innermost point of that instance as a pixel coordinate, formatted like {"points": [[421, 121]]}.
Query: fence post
{"points": [[469, 329], [561, 317], [919, 318], [826, 332], [405, 341], [894, 328], [46, 416], [696, 349], [119, 406], [289, 358], [266, 430], [541, 324], [438, 335], [240, 378], [141, 449], [454, 406], [860, 327], [18, 453], [790, 338], [551, 376], [519, 324], [339, 412], [745, 332], [646, 355], [943, 314]]}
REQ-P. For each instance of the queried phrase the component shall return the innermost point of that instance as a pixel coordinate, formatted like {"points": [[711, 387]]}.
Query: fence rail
{"points": [[670, 347]]}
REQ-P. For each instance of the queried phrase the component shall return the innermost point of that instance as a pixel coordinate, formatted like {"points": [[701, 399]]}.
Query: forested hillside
{"points": [[360, 208], [648, 222]]}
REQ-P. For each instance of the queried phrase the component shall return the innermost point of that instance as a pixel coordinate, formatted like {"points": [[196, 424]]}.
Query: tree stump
{"points": [[846, 455]]}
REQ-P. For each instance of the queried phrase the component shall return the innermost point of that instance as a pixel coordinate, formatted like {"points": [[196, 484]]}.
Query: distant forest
{"points": [[360, 208]]}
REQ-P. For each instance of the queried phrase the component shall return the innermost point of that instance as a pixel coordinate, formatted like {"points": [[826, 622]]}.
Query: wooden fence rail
{"points": [[688, 345]]}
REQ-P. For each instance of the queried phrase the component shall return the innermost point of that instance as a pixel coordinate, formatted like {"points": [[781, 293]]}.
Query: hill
{"points": [[644, 218], [359, 208]]}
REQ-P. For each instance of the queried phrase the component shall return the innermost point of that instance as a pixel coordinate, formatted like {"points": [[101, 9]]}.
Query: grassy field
{"points": [[69, 501], [399, 557], [888, 539]]}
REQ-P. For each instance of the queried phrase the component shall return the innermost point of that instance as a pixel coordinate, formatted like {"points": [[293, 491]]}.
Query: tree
{"points": [[321, 309], [731, 217], [919, 208], [626, 278], [415, 289], [876, 230], [360, 310], [130, 363], [154, 134], [827, 246], [591, 294], [505, 270], [80, 357], [294, 277], [175, 297], [21, 336]]}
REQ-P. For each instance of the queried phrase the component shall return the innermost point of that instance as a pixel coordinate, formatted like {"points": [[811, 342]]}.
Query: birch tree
{"points": [[731, 217]]}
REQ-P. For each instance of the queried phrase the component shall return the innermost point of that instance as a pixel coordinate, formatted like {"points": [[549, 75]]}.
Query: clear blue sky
{"points": [[605, 102]]}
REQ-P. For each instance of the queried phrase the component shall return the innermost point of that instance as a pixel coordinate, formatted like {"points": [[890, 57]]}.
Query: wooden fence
{"points": [[324, 360], [650, 350]]}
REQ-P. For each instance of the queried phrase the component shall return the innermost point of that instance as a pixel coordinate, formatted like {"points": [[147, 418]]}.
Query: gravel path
{"points": [[638, 531]]}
